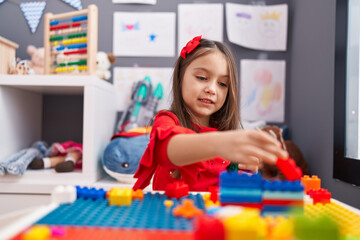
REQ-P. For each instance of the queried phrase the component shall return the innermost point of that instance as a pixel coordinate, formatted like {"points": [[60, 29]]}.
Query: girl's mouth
{"points": [[206, 100]]}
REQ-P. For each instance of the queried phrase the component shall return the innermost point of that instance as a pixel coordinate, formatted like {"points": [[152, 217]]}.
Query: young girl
{"points": [[200, 136]]}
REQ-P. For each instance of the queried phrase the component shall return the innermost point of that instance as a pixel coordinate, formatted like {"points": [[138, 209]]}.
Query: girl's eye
{"points": [[222, 84], [201, 77]]}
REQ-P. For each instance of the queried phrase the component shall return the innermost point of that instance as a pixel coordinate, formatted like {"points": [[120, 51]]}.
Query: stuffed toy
{"points": [[37, 55], [122, 155], [17, 163], [64, 157], [271, 171], [103, 64]]}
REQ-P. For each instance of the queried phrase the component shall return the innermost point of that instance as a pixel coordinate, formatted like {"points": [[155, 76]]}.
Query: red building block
{"points": [[214, 193], [320, 195], [208, 228], [177, 190], [289, 169]]}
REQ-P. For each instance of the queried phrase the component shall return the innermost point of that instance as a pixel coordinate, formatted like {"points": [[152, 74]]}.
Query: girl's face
{"points": [[205, 86]]}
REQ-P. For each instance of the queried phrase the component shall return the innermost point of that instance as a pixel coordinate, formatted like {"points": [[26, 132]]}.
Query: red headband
{"points": [[190, 46]]}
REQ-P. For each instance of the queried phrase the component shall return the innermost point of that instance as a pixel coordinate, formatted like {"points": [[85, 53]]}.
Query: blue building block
{"points": [[235, 180], [240, 199], [91, 193], [290, 186], [151, 213]]}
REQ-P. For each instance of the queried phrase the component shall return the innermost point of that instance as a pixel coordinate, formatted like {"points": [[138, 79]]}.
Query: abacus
{"points": [[70, 42]]}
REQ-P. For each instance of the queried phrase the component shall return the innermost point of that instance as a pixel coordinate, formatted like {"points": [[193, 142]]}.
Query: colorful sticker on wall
{"points": [[262, 90], [125, 77], [32, 12], [257, 27], [74, 3], [144, 34], [200, 19]]}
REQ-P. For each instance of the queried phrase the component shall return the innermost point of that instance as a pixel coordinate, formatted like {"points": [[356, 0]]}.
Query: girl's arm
{"points": [[241, 146]]}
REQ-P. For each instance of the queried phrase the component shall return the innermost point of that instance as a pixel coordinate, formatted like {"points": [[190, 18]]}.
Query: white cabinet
{"points": [[21, 123]]}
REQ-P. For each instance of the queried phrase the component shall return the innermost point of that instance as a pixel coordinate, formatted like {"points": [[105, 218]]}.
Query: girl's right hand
{"points": [[247, 147]]}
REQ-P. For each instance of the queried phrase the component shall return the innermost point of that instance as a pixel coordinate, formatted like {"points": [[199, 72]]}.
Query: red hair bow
{"points": [[190, 46]]}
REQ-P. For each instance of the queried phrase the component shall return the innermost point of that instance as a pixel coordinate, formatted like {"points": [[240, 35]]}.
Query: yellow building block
{"points": [[38, 232], [120, 196], [247, 225]]}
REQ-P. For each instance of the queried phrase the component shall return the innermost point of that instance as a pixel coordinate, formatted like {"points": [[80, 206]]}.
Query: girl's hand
{"points": [[247, 147]]}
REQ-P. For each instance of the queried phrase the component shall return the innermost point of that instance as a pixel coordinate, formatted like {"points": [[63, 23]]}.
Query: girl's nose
{"points": [[210, 89]]}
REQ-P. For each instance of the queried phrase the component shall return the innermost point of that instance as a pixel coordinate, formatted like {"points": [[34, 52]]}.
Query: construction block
{"points": [[38, 232], [63, 194], [138, 194], [236, 180], [320, 195], [288, 186], [177, 190], [283, 195], [214, 193], [289, 169], [187, 209], [310, 183], [322, 228], [151, 213], [208, 228], [91, 193], [120, 196], [246, 225]]}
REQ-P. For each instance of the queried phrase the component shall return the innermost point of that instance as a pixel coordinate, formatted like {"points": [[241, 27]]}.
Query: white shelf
{"points": [[53, 84], [21, 116]]}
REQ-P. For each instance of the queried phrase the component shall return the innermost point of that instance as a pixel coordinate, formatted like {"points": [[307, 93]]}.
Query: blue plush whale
{"points": [[122, 155]]}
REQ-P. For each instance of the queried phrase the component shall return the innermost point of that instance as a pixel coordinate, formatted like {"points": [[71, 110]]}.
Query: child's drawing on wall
{"points": [[262, 90]]}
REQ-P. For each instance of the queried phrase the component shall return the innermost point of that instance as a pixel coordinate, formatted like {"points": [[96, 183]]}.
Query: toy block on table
{"points": [[138, 194], [320, 195], [279, 197], [39, 232], [240, 189], [208, 228], [63, 194], [177, 189], [248, 224], [91, 193], [289, 169], [120, 196], [310, 183], [187, 209]]}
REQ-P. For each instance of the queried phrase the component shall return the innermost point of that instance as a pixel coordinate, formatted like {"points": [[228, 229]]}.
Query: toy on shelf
{"points": [[17, 163], [70, 41], [36, 63], [63, 157], [7, 53], [103, 64], [122, 155]]}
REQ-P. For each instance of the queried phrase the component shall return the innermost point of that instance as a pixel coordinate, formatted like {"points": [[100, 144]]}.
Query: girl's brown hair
{"points": [[227, 117]]}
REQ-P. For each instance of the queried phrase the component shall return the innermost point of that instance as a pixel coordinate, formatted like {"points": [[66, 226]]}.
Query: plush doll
{"points": [[36, 63], [17, 163], [271, 171], [64, 157], [103, 64]]}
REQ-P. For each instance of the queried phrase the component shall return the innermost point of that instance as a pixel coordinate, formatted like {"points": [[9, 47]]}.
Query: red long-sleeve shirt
{"points": [[199, 176]]}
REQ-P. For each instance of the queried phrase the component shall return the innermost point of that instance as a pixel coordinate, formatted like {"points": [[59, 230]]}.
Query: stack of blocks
{"points": [[281, 196], [240, 189], [273, 197]]}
